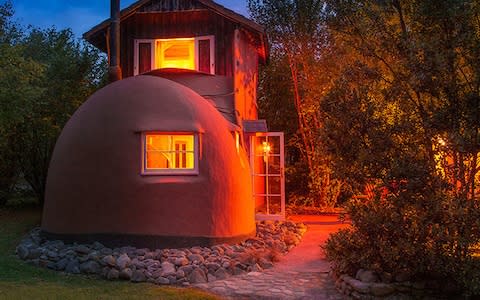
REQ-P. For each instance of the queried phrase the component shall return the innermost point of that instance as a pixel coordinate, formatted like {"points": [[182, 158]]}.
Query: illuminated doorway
{"points": [[268, 180]]}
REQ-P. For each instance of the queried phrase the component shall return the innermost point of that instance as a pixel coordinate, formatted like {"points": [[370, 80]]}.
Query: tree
{"points": [[46, 75], [424, 59], [72, 72], [19, 85], [300, 43], [412, 88]]}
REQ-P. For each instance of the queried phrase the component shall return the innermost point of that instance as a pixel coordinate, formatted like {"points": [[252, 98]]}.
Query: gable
{"points": [[98, 33], [170, 5]]}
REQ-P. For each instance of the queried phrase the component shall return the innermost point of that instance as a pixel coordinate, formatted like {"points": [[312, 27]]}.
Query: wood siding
{"points": [[246, 76], [170, 5], [182, 24]]}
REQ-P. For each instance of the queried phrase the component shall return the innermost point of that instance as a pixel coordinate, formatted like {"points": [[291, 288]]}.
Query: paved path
{"points": [[301, 274]]}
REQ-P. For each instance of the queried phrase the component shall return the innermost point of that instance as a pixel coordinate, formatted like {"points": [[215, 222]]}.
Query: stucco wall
{"points": [[95, 186]]}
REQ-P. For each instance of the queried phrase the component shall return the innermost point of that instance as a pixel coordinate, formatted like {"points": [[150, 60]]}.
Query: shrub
{"points": [[419, 237]]}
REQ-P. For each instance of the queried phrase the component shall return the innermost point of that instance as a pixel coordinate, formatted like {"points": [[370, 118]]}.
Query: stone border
{"points": [[367, 285], [165, 266]]}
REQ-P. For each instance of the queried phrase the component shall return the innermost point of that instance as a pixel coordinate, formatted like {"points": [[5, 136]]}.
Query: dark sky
{"points": [[80, 15]]}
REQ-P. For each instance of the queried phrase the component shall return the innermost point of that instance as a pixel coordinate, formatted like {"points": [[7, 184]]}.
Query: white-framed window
{"points": [[196, 53], [169, 153]]}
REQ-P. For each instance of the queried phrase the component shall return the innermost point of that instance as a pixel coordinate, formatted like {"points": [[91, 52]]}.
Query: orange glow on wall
{"points": [[164, 151], [176, 53]]}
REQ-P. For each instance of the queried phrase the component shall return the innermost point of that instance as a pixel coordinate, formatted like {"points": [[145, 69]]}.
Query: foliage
{"points": [[69, 77], [19, 280], [19, 85], [405, 111], [46, 75], [435, 242], [296, 81], [412, 77]]}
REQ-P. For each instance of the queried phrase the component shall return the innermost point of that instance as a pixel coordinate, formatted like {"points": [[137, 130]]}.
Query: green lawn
{"points": [[19, 280]]}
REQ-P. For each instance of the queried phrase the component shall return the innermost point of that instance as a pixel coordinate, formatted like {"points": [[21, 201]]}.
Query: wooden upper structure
{"points": [[226, 43]]}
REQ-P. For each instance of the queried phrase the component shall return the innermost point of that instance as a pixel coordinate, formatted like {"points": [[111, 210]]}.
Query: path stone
{"points": [[302, 274]]}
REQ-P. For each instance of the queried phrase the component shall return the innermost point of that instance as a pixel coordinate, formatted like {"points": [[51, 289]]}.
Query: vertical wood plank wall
{"points": [[184, 24], [246, 76]]}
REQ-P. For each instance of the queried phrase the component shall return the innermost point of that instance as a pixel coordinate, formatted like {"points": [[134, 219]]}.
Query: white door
{"points": [[268, 180]]}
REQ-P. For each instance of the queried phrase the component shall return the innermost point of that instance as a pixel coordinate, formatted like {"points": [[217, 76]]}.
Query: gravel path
{"points": [[301, 274]]}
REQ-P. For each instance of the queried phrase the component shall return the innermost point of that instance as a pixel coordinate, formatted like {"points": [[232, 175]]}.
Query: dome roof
{"points": [[96, 188]]}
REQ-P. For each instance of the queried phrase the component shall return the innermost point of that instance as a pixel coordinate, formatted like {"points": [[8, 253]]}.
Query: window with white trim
{"points": [[169, 153], [184, 53]]}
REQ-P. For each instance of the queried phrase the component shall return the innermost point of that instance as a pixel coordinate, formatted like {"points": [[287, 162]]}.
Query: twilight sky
{"points": [[80, 15]]}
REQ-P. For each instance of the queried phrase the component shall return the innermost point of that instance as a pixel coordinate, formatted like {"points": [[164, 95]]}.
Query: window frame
{"points": [[156, 172], [153, 43]]}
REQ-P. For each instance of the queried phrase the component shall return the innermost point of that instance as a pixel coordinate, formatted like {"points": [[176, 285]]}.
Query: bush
{"points": [[8, 168], [419, 237]]}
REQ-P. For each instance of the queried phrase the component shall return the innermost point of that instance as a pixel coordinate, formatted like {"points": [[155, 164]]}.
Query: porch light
{"points": [[266, 148]]}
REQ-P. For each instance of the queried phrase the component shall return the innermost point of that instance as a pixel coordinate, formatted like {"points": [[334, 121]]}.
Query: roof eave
{"points": [[217, 8]]}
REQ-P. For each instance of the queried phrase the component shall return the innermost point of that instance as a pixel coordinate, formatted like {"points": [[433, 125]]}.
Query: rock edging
{"points": [[165, 266], [367, 285]]}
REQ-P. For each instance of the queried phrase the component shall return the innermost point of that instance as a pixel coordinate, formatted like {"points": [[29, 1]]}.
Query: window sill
{"points": [[171, 173]]}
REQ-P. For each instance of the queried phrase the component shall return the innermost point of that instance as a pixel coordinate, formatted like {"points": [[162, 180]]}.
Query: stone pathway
{"points": [[301, 274]]}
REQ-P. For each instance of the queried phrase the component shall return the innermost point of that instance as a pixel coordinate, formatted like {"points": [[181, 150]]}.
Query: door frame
{"points": [[253, 137]]}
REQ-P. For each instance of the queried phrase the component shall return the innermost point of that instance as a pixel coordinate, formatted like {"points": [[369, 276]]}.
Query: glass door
{"points": [[268, 180]]}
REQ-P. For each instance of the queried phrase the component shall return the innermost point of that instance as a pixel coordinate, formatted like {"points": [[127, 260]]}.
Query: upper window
{"points": [[170, 153], [184, 53]]}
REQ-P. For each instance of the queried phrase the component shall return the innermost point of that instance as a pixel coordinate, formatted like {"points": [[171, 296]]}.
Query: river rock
{"points": [[62, 264], [197, 276], [196, 258], [168, 269], [359, 286], [382, 289], [366, 276], [125, 274], [138, 276], [113, 274], [221, 273], [109, 260], [22, 251], [123, 261], [162, 281], [181, 261], [90, 267], [82, 249], [73, 267]]}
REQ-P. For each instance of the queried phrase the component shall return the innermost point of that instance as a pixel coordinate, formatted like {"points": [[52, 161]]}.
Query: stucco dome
{"points": [[96, 189]]}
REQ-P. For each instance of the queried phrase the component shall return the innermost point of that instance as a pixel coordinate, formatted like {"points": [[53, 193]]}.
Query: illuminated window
{"points": [[183, 53], [176, 53], [170, 153]]}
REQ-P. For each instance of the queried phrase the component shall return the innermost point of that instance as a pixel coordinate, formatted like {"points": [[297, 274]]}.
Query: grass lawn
{"points": [[19, 280]]}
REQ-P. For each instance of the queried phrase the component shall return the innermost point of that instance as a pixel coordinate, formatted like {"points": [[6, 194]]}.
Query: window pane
{"points": [[274, 143], [163, 151], [157, 142], [187, 140], [274, 185], [158, 160], [260, 205], [176, 53], [274, 165], [274, 205]]}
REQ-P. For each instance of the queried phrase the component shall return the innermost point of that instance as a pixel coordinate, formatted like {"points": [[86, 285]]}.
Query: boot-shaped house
{"points": [[173, 154]]}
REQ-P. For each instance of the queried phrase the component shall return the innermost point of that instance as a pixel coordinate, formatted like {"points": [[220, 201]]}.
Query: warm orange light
{"points": [[176, 53], [266, 147], [169, 151], [441, 141]]}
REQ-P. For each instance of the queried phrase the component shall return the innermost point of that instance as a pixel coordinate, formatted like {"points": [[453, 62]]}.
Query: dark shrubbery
{"points": [[413, 237], [46, 75]]}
